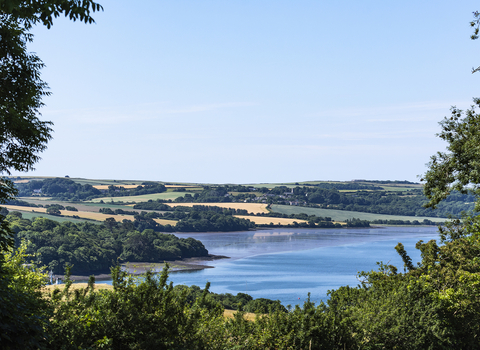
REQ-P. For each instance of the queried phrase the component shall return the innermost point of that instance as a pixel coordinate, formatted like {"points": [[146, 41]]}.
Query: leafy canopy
{"points": [[31, 12], [458, 169], [23, 314]]}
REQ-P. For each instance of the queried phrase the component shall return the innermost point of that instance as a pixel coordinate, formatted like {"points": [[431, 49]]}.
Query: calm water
{"points": [[286, 264]]}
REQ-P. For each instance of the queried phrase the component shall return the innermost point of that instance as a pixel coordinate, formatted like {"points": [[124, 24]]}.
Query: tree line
{"points": [[66, 189]]}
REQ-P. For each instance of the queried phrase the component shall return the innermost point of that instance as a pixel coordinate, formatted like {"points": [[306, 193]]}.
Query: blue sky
{"points": [[255, 91]]}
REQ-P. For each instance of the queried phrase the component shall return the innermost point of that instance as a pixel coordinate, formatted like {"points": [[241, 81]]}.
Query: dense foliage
{"points": [[92, 247], [405, 222], [457, 169], [66, 189], [193, 221], [144, 188], [23, 135], [24, 313], [152, 205], [59, 188], [146, 314], [241, 301]]}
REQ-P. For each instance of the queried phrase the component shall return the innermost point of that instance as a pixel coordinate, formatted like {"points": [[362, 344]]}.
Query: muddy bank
{"points": [[138, 268]]}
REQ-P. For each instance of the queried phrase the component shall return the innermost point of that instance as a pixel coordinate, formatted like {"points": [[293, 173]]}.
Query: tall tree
{"points": [[22, 137], [458, 169]]}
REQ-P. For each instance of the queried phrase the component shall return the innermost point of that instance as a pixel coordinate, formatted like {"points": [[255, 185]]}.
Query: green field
{"points": [[143, 198], [100, 205], [30, 216], [82, 206], [342, 215]]}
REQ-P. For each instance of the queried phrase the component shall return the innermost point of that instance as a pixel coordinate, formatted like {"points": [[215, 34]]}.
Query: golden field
{"points": [[265, 220], [250, 207], [22, 208], [82, 214], [166, 222], [86, 214]]}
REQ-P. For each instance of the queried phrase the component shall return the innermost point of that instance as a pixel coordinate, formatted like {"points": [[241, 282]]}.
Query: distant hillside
{"points": [[397, 198]]}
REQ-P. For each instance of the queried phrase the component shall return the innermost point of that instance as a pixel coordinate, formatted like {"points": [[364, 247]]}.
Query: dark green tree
{"points": [[31, 12], [22, 137], [458, 169]]}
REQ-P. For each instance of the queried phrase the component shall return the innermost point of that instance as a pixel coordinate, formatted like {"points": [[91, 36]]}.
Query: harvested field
{"points": [[265, 220], [166, 222], [22, 208], [250, 207], [86, 214], [82, 214]]}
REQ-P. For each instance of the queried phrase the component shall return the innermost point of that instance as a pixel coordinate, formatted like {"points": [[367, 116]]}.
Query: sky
{"points": [[260, 91]]}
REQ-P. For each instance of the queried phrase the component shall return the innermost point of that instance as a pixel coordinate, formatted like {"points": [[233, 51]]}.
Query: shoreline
{"points": [[139, 268]]}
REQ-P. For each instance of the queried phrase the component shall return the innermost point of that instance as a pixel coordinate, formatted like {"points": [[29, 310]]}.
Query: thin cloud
{"points": [[136, 113], [207, 107], [400, 113]]}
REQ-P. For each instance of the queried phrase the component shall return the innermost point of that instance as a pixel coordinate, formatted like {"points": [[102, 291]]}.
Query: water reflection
{"points": [[287, 264], [239, 245]]}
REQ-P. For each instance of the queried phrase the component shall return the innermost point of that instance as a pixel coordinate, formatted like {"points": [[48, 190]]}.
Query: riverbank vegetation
{"points": [[92, 248]]}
